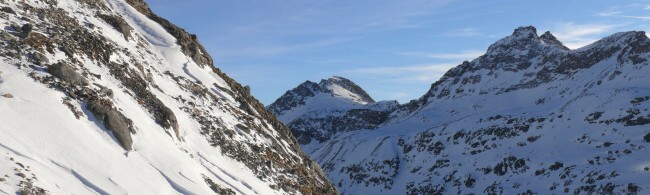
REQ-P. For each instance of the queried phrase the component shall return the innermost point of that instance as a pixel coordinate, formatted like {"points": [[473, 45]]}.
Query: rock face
{"points": [[529, 116], [317, 111], [109, 98], [114, 120], [67, 74]]}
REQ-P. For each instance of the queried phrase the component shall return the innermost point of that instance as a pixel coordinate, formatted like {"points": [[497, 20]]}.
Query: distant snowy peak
{"points": [[528, 61], [346, 89], [335, 88], [316, 112], [522, 40]]}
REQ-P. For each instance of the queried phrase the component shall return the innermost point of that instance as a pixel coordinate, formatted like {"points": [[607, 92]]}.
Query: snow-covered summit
{"points": [[346, 89], [341, 92], [318, 111]]}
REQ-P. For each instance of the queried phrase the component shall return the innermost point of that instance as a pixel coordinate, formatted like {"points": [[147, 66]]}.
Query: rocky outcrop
{"points": [[113, 120], [140, 88], [118, 23], [189, 42], [67, 74]]}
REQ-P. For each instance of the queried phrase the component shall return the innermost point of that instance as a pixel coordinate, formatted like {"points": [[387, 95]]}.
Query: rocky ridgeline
{"points": [[318, 111], [530, 116], [76, 54]]}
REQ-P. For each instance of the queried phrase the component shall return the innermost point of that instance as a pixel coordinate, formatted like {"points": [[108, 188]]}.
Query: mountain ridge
{"points": [[514, 115], [106, 97]]}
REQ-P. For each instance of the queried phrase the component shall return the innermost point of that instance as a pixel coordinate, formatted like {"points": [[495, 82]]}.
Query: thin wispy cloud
{"points": [[330, 23], [609, 13], [427, 73], [272, 50], [463, 55], [578, 35], [463, 32], [635, 17], [621, 14]]}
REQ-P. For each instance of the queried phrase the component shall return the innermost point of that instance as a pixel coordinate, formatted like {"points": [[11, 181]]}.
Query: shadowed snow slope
{"points": [[105, 97], [529, 116]]}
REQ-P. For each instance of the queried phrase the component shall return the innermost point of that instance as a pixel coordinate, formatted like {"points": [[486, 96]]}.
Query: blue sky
{"points": [[394, 49]]}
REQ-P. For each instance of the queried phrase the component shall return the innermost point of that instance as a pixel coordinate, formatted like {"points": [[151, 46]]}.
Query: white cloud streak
{"points": [[463, 55], [273, 50], [578, 35], [427, 73], [464, 32]]}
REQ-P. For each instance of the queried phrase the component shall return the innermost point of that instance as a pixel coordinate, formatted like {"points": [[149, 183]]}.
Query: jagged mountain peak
{"points": [[344, 88], [522, 40], [310, 86], [550, 39], [335, 100], [334, 89], [525, 31]]}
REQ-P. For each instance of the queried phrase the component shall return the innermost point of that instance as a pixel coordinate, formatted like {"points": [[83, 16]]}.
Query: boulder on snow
{"points": [[5, 36], [26, 29], [118, 23], [40, 59], [67, 50], [113, 120], [66, 73], [8, 10]]}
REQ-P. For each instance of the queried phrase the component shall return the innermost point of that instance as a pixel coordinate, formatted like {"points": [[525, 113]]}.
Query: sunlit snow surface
{"points": [[39, 135]]}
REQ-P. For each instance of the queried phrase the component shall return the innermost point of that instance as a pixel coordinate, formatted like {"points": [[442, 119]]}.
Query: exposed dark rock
{"points": [[305, 129], [132, 80], [295, 97], [549, 39], [26, 29], [68, 52], [218, 189], [106, 92], [8, 10], [118, 23], [66, 73], [5, 36], [113, 120], [40, 59], [189, 42]]}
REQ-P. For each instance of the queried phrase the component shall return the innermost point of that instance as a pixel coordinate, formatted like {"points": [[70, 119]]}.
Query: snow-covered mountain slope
{"points": [[105, 97], [529, 116], [317, 111]]}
